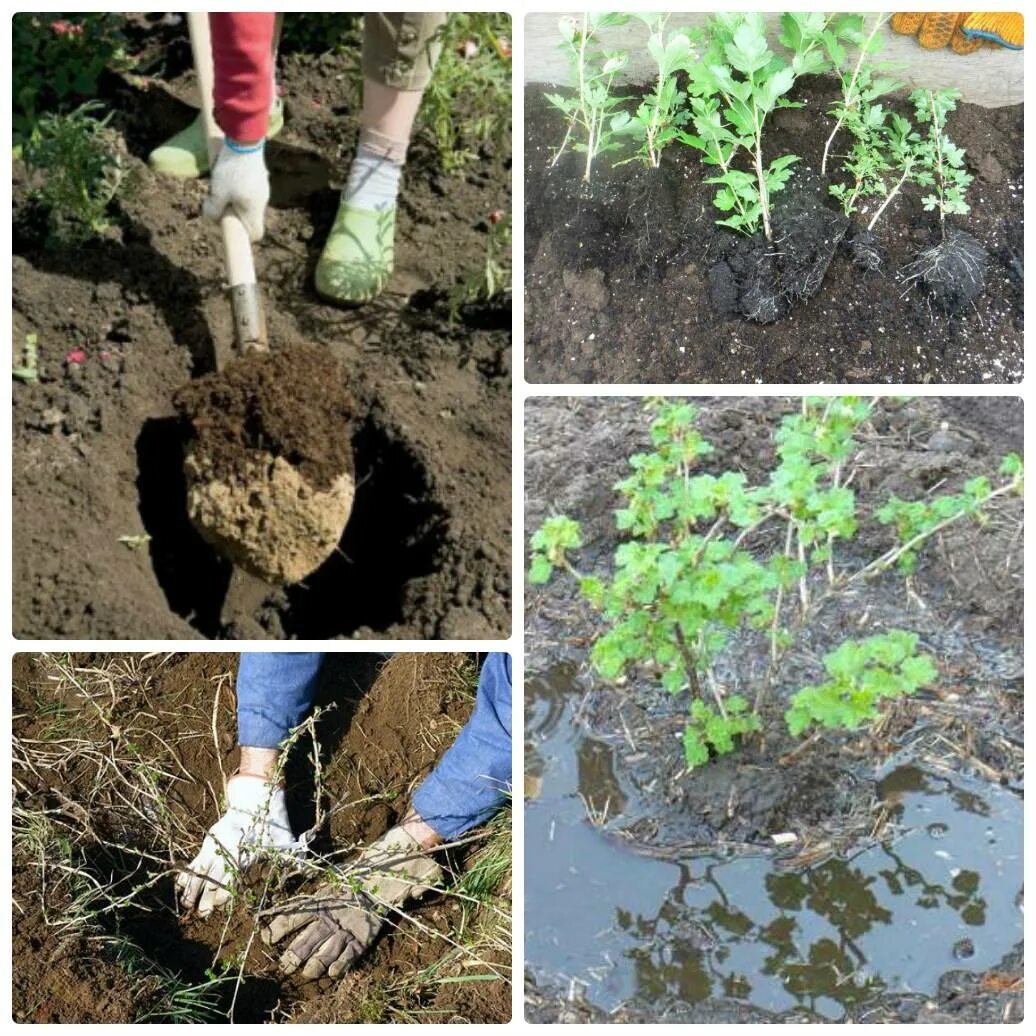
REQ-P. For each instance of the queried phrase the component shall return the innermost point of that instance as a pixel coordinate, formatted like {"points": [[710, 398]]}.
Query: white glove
{"points": [[256, 819], [240, 182]]}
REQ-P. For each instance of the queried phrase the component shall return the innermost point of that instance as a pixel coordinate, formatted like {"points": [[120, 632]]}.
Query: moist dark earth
{"points": [[98, 446], [965, 601], [385, 724], [628, 280]]}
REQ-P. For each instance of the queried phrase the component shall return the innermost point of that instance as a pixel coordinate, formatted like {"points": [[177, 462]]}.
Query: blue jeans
{"points": [[275, 690]]}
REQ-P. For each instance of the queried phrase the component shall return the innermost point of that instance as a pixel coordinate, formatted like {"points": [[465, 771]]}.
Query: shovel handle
{"points": [[246, 302]]}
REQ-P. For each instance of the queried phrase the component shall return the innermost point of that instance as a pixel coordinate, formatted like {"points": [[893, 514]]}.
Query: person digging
{"points": [[338, 923], [399, 54]]}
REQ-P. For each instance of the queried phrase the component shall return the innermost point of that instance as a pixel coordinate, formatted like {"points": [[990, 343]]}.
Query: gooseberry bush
{"points": [[706, 556]]}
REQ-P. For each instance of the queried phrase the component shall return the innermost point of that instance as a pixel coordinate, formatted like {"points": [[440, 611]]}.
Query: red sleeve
{"points": [[243, 65]]}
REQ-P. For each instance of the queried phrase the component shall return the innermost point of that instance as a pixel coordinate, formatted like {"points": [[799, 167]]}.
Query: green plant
{"points": [[886, 149], [661, 113], [79, 169], [493, 279], [862, 673], [589, 113], [57, 61], [29, 371], [940, 162], [737, 84], [860, 88], [709, 554], [466, 108]]}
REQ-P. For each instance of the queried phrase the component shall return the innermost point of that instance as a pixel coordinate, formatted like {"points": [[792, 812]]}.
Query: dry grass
{"points": [[100, 820]]}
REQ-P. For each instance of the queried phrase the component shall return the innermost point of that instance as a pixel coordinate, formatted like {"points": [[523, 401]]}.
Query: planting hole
{"points": [[393, 536]]}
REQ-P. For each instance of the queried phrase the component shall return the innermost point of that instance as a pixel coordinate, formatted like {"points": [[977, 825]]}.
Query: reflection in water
{"points": [[827, 937]]}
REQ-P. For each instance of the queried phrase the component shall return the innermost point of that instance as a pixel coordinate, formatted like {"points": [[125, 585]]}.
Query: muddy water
{"points": [[940, 892]]}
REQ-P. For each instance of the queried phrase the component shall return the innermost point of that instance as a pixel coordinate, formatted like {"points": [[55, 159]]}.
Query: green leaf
{"points": [[540, 570]]}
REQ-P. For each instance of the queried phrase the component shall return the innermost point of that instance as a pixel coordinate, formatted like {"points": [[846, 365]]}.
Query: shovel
{"points": [[274, 526]]}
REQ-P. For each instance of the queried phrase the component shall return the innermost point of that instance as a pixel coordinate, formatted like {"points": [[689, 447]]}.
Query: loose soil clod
{"points": [[270, 472]]}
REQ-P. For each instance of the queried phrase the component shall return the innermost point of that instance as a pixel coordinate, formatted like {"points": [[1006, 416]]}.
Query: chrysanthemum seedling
{"points": [[705, 555], [589, 113]]}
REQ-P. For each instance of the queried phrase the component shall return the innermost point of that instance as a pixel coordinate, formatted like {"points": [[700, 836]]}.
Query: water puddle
{"points": [[941, 891]]}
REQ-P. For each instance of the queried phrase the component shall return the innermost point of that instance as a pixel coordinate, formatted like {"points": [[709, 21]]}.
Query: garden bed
{"points": [[123, 321], [612, 790], [103, 815], [628, 279]]}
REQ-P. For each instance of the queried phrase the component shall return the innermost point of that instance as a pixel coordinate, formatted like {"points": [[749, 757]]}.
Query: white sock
{"points": [[373, 182]]}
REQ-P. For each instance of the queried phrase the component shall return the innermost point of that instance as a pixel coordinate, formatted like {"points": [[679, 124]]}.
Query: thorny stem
{"points": [[895, 190], [879, 20], [939, 172]]}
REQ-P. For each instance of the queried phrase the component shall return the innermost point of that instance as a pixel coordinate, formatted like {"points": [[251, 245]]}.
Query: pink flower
{"points": [[504, 46], [468, 49], [76, 356], [63, 28], [496, 216]]}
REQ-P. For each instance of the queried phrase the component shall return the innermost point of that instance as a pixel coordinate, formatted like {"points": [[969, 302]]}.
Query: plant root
{"points": [[865, 251], [952, 273]]}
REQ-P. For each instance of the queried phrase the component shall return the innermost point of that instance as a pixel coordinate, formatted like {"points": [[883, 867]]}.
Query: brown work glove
{"points": [[338, 923], [964, 31]]}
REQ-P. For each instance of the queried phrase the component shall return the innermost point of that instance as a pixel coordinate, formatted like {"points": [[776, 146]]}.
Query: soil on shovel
{"points": [[629, 280], [103, 544], [289, 403], [655, 894], [269, 467], [385, 725]]}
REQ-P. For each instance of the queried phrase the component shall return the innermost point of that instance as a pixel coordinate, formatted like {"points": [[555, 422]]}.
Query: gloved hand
{"points": [[256, 819], [340, 921], [963, 31], [240, 181]]}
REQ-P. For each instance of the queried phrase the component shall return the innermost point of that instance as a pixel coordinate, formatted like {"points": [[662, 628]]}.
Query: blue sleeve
{"points": [[274, 692], [474, 776]]}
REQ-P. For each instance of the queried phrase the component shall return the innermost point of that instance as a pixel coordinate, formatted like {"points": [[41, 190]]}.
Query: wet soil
{"points": [[97, 446], [625, 758], [387, 722], [628, 280]]}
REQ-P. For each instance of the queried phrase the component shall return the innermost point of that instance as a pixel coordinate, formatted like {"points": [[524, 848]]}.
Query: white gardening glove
{"points": [[256, 819], [241, 183], [338, 922]]}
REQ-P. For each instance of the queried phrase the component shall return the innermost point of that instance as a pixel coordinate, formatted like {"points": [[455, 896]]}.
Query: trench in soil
{"points": [[393, 536], [939, 891]]}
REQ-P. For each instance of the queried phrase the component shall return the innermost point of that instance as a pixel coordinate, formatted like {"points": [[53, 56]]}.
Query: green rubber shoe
{"points": [[186, 154], [356, 262]]}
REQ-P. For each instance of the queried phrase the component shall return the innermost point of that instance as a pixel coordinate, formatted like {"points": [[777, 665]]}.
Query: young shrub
{"points": [[661, 113], [736, 85], [706, 555], [80, 172], [860, 88], [861, 674], [953, 271], [589, 113]]}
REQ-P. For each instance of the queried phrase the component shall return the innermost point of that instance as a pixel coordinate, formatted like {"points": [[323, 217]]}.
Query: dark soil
{"points": [[965, 601], [291, 403], [389, 723], [97, 447], [629, 280]]}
